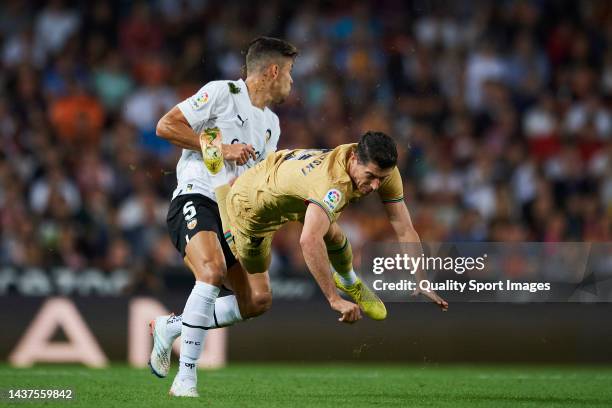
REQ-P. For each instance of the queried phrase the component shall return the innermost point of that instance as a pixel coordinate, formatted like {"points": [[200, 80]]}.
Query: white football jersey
{"points": [[226, 105]]}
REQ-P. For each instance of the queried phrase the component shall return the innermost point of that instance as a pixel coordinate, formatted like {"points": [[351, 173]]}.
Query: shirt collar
{"points": [[344, 176]]}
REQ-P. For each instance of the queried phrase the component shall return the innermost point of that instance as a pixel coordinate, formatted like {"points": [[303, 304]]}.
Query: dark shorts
{"points": [[192, 213]]}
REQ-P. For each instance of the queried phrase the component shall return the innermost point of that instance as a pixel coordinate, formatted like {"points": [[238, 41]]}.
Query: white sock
{"points": [[226, 313], [197, 317], [347, 279], [174, 325]]}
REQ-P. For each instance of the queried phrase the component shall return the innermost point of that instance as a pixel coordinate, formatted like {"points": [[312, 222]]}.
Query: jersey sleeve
{"points": [[332, 199], [392, 189], [203, 106]]}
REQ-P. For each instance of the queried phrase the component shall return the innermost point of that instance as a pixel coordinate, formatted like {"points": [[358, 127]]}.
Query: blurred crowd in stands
{"points": [[501, 110]]}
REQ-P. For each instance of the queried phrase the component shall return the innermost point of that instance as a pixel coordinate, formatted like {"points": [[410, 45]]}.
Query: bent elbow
{"points": [[308, 241], [161, 130]]}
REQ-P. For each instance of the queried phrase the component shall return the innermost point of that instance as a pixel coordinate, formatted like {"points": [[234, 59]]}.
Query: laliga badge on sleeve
{"points": [[199, 100], [332, 199]]}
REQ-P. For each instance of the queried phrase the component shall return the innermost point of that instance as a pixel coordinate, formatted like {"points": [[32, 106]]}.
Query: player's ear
{"points": [[352, 161], [274, 70]]}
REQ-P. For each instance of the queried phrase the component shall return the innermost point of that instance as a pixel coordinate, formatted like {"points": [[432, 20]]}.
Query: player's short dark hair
{"points": [[378, 148], [262, 49]]}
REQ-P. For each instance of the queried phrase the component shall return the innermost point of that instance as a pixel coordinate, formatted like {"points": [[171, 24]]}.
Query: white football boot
{"points": [[183, 387], [162, 346]]}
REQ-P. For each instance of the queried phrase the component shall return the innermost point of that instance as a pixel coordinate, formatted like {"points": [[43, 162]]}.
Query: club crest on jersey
{"points": [[192, 224], [332, 199], [199, 100], [233, 88], [268, 135]]}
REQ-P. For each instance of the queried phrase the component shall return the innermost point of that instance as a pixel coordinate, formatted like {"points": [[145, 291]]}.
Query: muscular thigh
{"points": [[254, 252], [204, 256], [194, 222], [245, 285]]}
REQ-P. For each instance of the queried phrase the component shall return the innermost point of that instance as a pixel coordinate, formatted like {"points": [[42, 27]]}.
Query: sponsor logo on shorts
{"points": [[192, 224], [332, 199], [199, 100]]}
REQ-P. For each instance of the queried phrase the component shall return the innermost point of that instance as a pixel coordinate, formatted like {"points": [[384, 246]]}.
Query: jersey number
{"points": [[189, 210]]}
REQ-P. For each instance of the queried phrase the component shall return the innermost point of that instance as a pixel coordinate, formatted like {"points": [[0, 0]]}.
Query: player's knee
{"points": [[259, 303], [334, 242]]}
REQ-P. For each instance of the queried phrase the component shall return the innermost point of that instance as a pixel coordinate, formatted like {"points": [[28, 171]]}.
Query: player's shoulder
{"points": [[336, 164], [341, 153], [220, 87], [346, 146]]}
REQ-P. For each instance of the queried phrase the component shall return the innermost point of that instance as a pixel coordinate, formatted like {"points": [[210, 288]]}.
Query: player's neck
{"points": [[258, 93]]}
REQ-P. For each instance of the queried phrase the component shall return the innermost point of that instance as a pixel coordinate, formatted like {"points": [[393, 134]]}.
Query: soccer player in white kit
{"points": [[250, 131]]}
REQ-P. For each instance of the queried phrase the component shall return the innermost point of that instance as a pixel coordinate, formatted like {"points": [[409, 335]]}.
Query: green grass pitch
{"points": [[309, 385]]}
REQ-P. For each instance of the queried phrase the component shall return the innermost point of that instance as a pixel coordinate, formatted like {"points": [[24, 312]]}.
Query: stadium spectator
{"points": [[505, 107]]}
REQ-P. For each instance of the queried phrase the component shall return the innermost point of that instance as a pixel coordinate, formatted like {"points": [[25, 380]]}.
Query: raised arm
{"points": [[399, 216], [316, 224], [177, 125], [174, 128]]}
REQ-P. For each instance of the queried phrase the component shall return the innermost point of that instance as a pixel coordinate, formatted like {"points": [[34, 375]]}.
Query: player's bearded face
{"points": [[281, 87], [367, 177]]}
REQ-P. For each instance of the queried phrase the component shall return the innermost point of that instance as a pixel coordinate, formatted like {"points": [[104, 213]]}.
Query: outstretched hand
{"points": [[349, 310], [433, 296]]}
